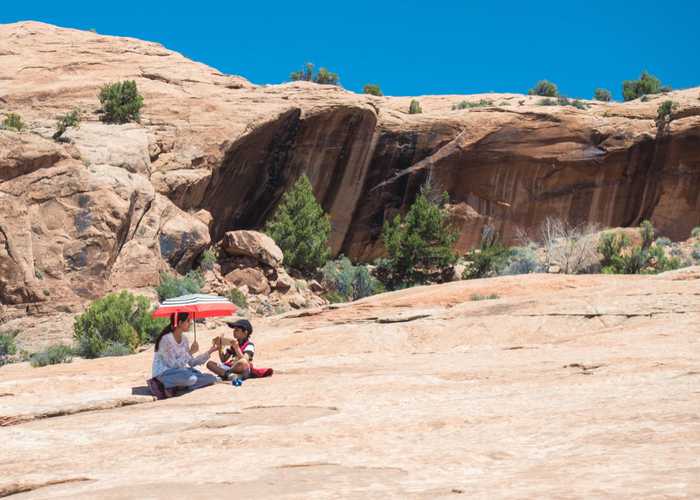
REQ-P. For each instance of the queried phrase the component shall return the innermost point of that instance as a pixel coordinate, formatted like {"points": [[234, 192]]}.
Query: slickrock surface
{"points": [[564, 387]]}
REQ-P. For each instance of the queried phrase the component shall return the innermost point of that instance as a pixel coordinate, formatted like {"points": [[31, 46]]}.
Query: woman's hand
{"points": [[194, 348]]}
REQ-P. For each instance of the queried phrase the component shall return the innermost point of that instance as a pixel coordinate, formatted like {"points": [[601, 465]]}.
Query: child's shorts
{"points": [[245, 374]]}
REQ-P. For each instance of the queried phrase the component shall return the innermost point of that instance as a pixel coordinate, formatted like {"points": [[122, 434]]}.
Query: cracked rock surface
{"points": [[563, 387]]}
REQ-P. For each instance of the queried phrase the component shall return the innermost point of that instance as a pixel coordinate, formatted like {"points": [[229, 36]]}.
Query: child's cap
{"points": [[243, 324]]}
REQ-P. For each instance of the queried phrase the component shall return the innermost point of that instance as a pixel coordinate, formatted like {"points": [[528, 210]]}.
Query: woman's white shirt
{"points": [[171, 354]]}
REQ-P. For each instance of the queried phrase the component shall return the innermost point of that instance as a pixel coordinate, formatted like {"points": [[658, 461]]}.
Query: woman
{"points": [[173, 360]]}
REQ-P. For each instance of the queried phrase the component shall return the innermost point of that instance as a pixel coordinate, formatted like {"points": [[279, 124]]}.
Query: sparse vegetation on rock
{"points": [[420, 243], [522, 260], [52, 355], [323, 76], [414, 108], [237, 297], [602, 95], [478, 297], [121, 318], [544, 88], [172, 285], [63, 122], [646, 85], [562, 101], [619, 257], [469, 105], [208, 259], [13, 121], [345, 281], [301, 228], [372, 89], [489, 259], [8, 347], [121, 102]]}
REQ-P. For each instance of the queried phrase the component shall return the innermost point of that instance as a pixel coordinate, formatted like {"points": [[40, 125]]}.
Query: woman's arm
{"points": [[202, 358]]}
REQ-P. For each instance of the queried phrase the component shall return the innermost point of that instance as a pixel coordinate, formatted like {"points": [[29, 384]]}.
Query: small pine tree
{"points": [[664, 112], [301, 228], [305, 74], [544, 88], [326, 77], [414, 108], [602, 95], [121, 102], [646, 85], [419, 243], [372, 89]]}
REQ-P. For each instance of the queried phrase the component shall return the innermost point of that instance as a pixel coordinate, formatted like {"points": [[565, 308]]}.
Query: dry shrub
{"points": [[572, 248]]}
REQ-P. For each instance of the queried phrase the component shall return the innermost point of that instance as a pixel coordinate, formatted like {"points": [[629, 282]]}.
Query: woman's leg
{"points": [[202, 379], [177, 377]]}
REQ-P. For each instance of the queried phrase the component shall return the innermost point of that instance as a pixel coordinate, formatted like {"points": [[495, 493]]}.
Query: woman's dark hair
{"points": [[171, 326]]}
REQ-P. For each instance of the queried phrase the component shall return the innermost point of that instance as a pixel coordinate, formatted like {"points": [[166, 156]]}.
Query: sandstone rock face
{"points": [[546, 390], [251, 277], [124, 146], [252, 244], [214, 142], [72, 232]]}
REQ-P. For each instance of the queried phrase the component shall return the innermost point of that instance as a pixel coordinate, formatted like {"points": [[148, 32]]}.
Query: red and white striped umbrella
{"points": [[199, 305]]}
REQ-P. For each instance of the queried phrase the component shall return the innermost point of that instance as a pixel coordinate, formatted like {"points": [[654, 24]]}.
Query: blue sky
{"points": [[411, 47]]}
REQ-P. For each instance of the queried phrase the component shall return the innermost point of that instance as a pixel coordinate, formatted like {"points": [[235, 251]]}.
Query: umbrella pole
{"points": [[194, 320]]}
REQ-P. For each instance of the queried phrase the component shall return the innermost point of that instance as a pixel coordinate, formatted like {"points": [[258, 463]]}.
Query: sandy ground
{"points": [[563, 387]]}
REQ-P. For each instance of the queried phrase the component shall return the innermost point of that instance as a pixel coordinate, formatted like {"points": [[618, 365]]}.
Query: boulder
{"points": [[182, 236], [252, 244], [284, 282], [316, 287], [251, 277], [296, 300], [231, 263], [204, 217]]}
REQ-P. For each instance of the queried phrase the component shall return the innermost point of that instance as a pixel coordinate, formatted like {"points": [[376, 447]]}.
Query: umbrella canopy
{"points": [[201, 305]]}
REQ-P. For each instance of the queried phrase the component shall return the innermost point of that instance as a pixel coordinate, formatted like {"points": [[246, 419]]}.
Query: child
{"points": [[236, 360]]}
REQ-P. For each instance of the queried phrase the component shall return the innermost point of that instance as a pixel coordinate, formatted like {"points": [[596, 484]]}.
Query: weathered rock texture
{"points": [[564, 387], [253, 244], [219, 147]]}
